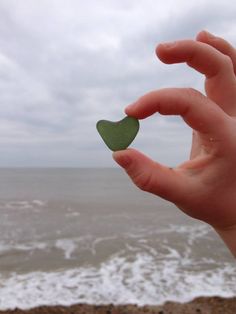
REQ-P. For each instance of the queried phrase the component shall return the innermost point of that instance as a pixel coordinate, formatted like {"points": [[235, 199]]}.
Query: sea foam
{"points": [[137, 279]]}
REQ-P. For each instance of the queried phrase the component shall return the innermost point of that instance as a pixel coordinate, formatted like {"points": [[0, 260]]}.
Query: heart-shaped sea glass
{"points": [[118, 135]]}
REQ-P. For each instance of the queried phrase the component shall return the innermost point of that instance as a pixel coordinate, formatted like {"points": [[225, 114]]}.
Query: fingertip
{"points": [[160, 48], [166, 45], [159, 51], [129, 157], [201, 34], [165, 51], [122, 158], [129, 109], [204, 35], [133, 110]]}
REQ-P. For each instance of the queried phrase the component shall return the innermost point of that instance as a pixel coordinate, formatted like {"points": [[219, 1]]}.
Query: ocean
{"points": [[90, 236]]}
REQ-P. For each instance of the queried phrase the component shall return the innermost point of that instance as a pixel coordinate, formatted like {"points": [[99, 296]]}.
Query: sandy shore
{"points": [[203, 305]]}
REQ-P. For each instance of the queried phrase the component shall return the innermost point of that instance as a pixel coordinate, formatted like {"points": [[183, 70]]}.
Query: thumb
{"points": [[151, 176]]}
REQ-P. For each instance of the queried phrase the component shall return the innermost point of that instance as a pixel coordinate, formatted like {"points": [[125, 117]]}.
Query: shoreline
{"points": [[202, 305]]}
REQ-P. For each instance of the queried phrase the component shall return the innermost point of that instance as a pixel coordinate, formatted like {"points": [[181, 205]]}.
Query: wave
{"points": [[146, 266], [136, 279], [22, 204]]}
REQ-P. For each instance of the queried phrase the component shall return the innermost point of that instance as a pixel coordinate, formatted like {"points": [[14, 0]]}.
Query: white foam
{"points": [[141, 272], [38, 203], [19, 205], [67, 245], [135, 279], [7, 247], [72, 214], [22, 204]]}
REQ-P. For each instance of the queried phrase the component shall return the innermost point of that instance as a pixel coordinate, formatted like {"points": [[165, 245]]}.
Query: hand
{"points": [[204, 187]]}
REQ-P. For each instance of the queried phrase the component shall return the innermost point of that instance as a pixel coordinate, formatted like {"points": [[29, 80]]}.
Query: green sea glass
{"points": [[118, 135]]}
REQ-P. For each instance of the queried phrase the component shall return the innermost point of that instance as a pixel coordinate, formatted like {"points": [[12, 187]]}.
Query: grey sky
{"points": [[66, 64]]}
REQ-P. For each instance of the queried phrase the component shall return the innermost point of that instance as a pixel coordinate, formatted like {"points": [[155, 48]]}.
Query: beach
{"points": [[201, 305]]}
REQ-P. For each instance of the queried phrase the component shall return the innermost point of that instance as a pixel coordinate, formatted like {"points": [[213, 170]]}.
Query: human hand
{"points": [[203, 187]]}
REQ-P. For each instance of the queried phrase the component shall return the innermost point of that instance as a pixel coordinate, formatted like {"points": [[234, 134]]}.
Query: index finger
{"points": [[199, 112]]}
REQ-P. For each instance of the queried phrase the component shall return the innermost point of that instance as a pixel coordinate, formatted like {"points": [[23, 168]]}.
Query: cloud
{"points": [[66, 64]]}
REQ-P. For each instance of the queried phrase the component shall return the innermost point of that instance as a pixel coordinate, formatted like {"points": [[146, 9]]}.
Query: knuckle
{"points": [[192, 92], [227, 61], [143, 181]]}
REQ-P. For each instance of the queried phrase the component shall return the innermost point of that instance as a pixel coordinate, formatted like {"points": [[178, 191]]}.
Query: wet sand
{"points": [[202, 305]]}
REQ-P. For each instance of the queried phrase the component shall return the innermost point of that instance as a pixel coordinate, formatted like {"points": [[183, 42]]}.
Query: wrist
{"points": [[228, 235]]}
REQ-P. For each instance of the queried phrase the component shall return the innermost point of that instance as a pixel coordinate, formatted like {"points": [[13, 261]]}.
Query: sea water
{"points": [[89, 236]]}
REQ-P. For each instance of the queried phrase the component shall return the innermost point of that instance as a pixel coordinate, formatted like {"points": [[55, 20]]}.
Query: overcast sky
{"points": [[65, 64]]}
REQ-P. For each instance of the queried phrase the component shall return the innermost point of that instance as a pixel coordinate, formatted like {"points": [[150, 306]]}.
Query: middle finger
{"points": [[217, 67]]}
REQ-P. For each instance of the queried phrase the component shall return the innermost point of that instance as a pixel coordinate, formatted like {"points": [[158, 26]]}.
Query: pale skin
{"points": [[204, 187]]}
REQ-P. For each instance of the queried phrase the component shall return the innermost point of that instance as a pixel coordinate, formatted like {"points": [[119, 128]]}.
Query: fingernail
{"points": [[168, 45], [122, 158], [209, 35]]}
